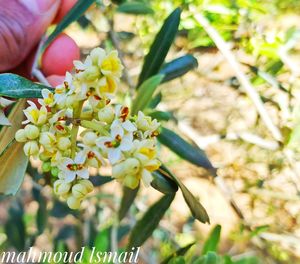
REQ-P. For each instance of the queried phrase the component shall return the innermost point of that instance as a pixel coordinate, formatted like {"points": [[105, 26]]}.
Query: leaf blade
{"points": [[185, 150], [196, 208], [160, 47], [135, 8], [79, 8], [128, 197], [211, 244], [15, 86], [178, 67], [13, 161], [145, 93], [144, 228]]}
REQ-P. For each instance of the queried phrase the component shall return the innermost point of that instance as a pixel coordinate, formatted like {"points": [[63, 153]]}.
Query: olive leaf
{"points": [[144, 228], [145, 93], [163, 184], [178, 67], [211, 244], [185, 150], [15, 86], [135, 8], [79, 8], [128, 197], [197, 210], [160, 47], [12, 158]]}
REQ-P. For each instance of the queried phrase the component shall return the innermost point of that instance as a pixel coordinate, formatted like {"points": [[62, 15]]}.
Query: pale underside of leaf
{"points": [[13, 160]]}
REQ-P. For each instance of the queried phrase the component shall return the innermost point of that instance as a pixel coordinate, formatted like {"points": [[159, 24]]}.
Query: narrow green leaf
{"points": [[209, 258], [79, 8], [135, 8], [155, 101], [163, 184], [160, 47], [197, 210], [101, 242], [15, 86], [13, 161], [178, 67], [128, 197], [144, 228], [162, 115], [15, 227], [145, 93], [185, 150], [180, 252], [211, 244]]}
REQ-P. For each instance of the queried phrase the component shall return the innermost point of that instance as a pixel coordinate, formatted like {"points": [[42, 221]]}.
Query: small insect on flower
{"points": [[71, 168]]}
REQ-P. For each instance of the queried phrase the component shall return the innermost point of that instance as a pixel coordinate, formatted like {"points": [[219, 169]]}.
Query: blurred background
{"points": [[255, 198]]}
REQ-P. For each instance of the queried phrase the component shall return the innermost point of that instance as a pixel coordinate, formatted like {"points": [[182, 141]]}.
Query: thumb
{"points": [[22, 23]]}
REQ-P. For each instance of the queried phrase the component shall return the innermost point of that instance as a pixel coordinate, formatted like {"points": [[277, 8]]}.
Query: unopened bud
{"points": [[31, 148], [46, 167], [47, 139], [54, 171], [106, 114], [88, 185], [32, 132], [61, 187], [64, 143], [79, 191], [89, 138], [131, 181], [73, 202], [21, 135]]}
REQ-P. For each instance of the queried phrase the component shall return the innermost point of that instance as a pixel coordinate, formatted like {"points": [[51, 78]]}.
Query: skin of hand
{"points": [[22, 24]]}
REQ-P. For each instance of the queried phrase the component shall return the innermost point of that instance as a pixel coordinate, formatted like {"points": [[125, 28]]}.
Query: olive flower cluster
{"points": [[79, 126]]}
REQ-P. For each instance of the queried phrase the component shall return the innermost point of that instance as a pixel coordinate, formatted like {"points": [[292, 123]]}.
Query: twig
{"points": [[251, 92]]}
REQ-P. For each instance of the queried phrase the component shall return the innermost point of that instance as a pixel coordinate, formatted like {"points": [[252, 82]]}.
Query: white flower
{"points": [[117, 143], [64, 90], [146, 124], [91, 156], [4, 103], [35, 115], [111, 65], [48, 98], [71, 168]]}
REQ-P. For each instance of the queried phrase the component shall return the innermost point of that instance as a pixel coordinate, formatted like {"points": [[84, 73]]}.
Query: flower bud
{"points": [[46, 167], [32, 132], [21, 135], [44, 156], [64, 143], [89, 138], [88, 185], [106, 114], [91, 73], [131, 181], [73, 203], [31, 148], [47, 139], [118, 170], [54, 171], [79, 191], [132, 166], [61, 187]]}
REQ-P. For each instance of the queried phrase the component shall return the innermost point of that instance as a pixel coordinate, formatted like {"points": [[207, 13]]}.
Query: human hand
{"points": [[22, 24]]}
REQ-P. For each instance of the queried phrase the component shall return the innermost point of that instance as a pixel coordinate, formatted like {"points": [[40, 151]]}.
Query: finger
{"points": [[22, 23]]}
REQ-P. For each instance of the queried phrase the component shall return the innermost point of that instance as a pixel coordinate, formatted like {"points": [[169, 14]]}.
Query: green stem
{"points": [[75, 128], [96, 127]]}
